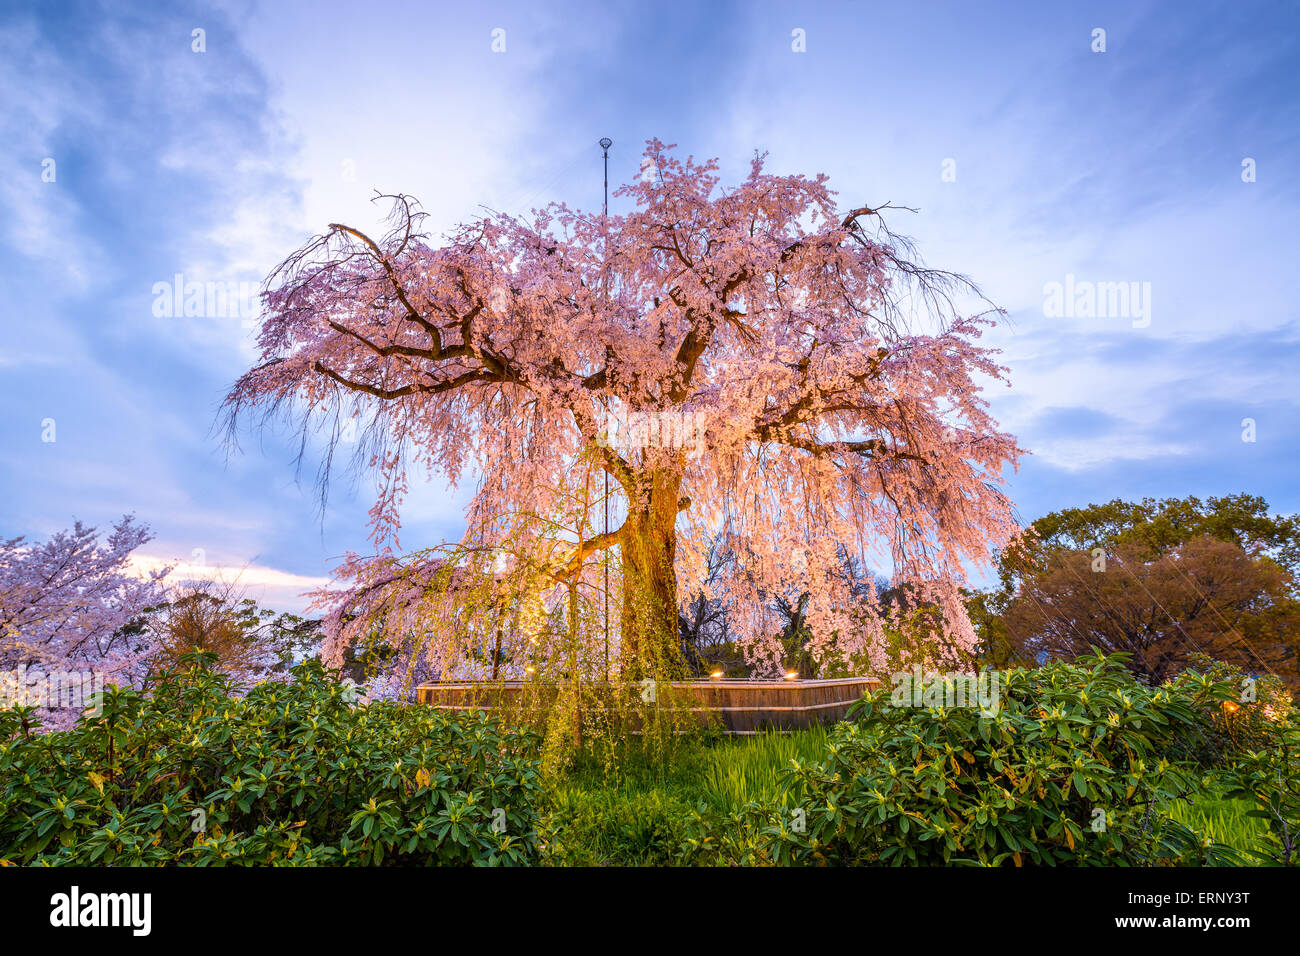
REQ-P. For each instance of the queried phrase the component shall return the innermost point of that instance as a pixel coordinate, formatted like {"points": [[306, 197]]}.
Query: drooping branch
{"points": [[756, 341]]}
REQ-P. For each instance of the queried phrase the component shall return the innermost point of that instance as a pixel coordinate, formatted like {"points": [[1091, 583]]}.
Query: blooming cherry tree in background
{"points": [[750, 369], [66, 605]]}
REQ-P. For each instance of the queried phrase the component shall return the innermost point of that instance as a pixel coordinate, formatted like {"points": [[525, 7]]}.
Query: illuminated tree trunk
{"points": [[575, 665], [649, 614]]}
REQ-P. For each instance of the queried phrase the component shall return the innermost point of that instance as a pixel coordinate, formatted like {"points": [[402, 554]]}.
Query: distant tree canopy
{"points": [[1160, 580], [1156, 526], [250, 642]]}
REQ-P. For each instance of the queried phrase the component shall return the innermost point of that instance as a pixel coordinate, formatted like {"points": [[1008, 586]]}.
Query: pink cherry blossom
{"points": [[813, 394], [66, 603]]}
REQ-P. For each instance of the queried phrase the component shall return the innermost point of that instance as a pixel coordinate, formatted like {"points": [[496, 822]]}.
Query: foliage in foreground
{"points": [[294, 774], [1269, 779], [1200, 760], [643, 811], [289, 774], [1073, 768], [1207, 766]]}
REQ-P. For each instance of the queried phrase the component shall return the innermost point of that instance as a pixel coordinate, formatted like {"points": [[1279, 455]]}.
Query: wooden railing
{"points": [[738, 706]]}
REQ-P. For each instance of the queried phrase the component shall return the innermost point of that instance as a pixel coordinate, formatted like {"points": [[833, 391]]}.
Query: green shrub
{"points": [[1253, 718], [287, 774], [1269, 780], [1250, 746], [1070, 769]]}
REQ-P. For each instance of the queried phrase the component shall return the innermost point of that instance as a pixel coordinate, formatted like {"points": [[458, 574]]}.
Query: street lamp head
{"points": [[606, 142]]}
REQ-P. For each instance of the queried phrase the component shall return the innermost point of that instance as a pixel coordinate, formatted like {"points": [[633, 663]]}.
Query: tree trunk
{"points": [[649, 620], [575, 666]]}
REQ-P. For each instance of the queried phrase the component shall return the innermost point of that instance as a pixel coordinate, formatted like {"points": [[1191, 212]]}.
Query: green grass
{"points": [[638, 812], [1225, 821], [749, 768], [724, 773]]}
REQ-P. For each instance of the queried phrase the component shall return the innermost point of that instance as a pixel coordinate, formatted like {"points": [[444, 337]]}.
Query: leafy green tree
{"points": [[1204, 596], [1156, 526], [1218, 576]]}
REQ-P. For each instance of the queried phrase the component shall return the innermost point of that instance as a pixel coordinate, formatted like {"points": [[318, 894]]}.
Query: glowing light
{"points": [[791, 675], [715, 675], [1231, 706]]}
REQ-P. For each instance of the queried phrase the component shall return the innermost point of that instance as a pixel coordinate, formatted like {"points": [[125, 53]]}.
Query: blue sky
{"points": [[1106, 167]]}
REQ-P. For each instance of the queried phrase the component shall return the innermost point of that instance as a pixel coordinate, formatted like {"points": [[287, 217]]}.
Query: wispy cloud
{"points": [[1120, 166]]}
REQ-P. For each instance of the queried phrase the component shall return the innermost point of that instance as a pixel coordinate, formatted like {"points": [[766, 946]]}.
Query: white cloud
{"points": [[270, 587]]}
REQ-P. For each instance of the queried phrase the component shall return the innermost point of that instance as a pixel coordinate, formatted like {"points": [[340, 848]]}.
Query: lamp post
{"points": [[605, 144]]}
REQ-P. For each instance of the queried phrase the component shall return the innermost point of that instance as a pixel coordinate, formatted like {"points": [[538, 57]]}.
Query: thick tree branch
{"points": [[389, 394]]}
